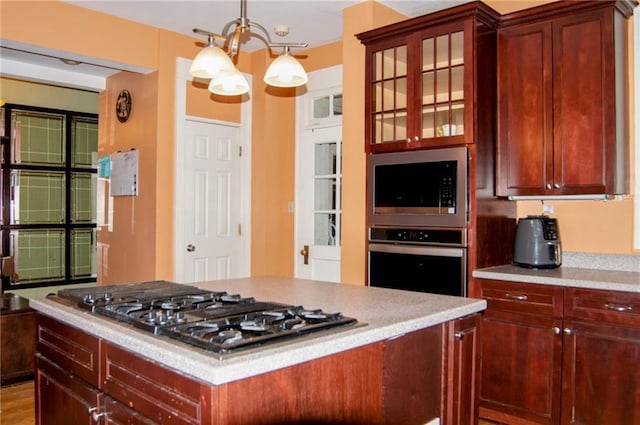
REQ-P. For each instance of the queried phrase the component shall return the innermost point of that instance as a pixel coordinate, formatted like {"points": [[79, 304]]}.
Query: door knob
{"points": [[191, 248], [305, 253]]}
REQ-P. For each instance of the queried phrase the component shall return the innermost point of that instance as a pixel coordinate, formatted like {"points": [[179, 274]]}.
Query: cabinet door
{"points": [[441, 81], [461, 387], [601, 377], [520, 368], [584, 107], [62, 398], [525, 136], [387, 95], [521, 352]]}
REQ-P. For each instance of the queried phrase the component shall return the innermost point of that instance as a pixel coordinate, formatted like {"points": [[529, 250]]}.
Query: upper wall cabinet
{"points": [[430, 81], [562, 99]]}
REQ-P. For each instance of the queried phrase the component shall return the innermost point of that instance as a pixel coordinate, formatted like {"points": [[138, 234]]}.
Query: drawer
{"points": [[620, 308], [62, 398], [158, 393], [70, 348], [522, 297]]}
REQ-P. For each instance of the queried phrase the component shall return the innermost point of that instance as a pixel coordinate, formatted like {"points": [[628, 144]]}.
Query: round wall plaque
{"points": [[123, 106]]}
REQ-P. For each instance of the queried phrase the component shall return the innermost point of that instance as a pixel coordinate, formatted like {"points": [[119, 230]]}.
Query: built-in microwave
{"points": [[418, 188]]}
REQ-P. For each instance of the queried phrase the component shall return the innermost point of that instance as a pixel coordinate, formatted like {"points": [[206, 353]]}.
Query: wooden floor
{"points": [[17, 405]]}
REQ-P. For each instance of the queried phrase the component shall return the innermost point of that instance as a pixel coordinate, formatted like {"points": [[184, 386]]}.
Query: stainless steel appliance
{"points": [[418, 188], [537, 243], [430, 260], [215, 321]]}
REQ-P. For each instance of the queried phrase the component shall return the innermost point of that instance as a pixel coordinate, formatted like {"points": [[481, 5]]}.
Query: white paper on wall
{"points": [[124, 173]]}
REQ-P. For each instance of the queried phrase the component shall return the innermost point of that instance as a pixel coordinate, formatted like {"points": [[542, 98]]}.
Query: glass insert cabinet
{"points": [[427, 79]]}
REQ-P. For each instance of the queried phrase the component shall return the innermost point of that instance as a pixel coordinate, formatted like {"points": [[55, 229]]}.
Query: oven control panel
{"points": [[451, 237]]}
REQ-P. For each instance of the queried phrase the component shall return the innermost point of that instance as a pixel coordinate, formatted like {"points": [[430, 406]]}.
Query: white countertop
{"points": [[387, 313], [576, 277]]}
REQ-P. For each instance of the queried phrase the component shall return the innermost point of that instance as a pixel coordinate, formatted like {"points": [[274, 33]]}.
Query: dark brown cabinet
{"points": [[552, 355], [462, 380], [411, 379], [68, 389], [156, 392], [601, 354], [521, 352], [430, 81], [562, 99], [63, 398], [18, 339]]}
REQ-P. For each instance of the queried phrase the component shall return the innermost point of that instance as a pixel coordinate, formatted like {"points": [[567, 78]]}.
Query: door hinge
{"points": [[239, 150], [239, 229]]}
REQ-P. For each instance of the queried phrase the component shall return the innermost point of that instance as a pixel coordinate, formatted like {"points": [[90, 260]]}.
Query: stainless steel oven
{"points": [[430, 260]]}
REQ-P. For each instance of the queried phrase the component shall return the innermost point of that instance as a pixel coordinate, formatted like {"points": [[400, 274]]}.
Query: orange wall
{"points": [[272, 150], [356, 19], [126, 254]]}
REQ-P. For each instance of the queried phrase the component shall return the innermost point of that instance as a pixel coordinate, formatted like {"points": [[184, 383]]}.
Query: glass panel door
{"points": [[443, 85], [390, 93], [327, 181]]}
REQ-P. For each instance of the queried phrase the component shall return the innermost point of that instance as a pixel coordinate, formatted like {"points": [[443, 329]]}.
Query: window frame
{"points": [[6, 227]]}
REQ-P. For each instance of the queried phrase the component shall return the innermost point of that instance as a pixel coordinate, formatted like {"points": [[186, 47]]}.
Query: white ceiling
{"points": [[317, 22]]}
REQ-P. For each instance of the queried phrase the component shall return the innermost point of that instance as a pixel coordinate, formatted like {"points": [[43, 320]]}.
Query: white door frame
{"points": [[303, 123], [182, 76]]}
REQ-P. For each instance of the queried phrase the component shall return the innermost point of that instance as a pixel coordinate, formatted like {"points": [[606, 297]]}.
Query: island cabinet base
{"points": [[409, 379]]}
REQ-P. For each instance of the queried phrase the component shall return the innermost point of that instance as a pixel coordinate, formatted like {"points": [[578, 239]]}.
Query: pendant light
{"points": [[213, 63], [229, 85], [286, 71]]}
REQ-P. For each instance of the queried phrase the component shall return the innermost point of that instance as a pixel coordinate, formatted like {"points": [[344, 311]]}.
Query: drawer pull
{"points": [[461, 334], [567, 331], [518, 297], [618, 307], [95, 416], [556, 330]]}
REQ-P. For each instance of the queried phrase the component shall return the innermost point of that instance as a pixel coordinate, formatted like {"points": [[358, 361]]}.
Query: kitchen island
{"points": [[410, 359]]}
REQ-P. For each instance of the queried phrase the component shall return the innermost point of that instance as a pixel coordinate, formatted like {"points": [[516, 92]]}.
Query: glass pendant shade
{"points": [[212, 62], [286, 71], [231, 85]]}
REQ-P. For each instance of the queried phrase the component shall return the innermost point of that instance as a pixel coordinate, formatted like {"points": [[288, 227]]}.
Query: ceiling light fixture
{"points": [[212, 62]]}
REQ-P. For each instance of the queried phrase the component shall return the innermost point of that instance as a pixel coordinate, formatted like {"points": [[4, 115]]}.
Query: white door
{"points": [[212, 214], [319, 177]]}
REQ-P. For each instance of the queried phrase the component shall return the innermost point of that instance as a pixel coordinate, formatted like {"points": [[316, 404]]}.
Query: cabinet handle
{"points": [[95, 416], [461, 334], [567, 331], [549, 186], [556, 185], [408, 139], [556, 330], [416, 138], [618, 307], [518, 297]]}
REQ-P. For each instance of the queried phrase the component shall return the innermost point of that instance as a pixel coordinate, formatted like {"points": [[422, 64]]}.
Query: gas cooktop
{"points": [[215, 321]]}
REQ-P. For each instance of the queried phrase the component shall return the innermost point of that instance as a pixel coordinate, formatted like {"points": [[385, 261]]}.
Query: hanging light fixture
{"points": [[214, 63]]}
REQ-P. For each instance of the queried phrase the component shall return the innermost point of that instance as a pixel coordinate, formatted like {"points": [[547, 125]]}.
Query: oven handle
{"points": [[417, 250]]}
